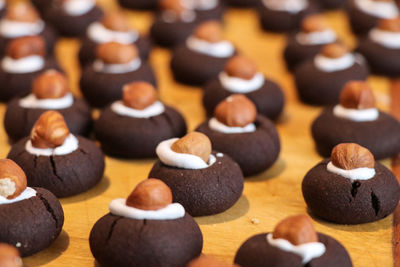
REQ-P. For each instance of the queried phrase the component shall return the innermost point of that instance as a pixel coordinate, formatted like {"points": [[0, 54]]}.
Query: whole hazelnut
{"points": [[9, 256], [241, 67], [236, 111], [116, 21], [296, 229], [208, 261], [116, 53], [26, 46], [139, 95], [350, 156], [194, 143], [172, 5], [334, 50], [357, 95], [51, 84], [49, 131], [23, 12], [210, 31], [150, 194], [314, 23], [391, 25], [12, 179]]}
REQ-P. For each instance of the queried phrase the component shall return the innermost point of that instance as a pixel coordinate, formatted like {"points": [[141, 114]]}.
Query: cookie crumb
{"points": [[255, 221]]}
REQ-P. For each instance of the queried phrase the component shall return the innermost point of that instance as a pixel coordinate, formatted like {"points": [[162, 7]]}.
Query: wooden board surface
{"points": [[266, 199]]}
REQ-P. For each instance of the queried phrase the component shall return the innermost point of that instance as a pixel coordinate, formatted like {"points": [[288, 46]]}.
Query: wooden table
{"points": [[266, 199]]}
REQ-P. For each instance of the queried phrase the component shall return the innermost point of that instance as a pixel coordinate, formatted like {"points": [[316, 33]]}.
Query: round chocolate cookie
{"points": [[204, 191], [332, 4], [329, 131], [128, 137], [101, 89], [139, 4], [18, 121], [215, 13], [257, 252], [360, 22], [337, 199], [63, 175], [316, 87], [243, 3], [269, 99], [31, 224], [125, 242], [254, 151]]}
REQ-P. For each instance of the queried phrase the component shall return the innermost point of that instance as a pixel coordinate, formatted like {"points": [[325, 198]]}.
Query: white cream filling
{"points": [[205, 4], [70, 144], [316, 38], [241, 86], [215, 125], [100, 34], [28, 193], [153, 110], [327, 64], [187, 16], [290, 6], [380, 9], [370, 114], [22, 65], [171, 212], [14, 29], [223, 49], [354, 174], [307, 251], [78, 7], [181, 160], [385, 38], [100, 66], [30, 101]]}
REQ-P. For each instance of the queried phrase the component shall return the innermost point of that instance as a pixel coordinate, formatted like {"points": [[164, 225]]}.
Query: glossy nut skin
{"points": [[194, 143], [236, 111], [350, 156], [139, 95], [10, 172], [150, 194], [296, 229]]}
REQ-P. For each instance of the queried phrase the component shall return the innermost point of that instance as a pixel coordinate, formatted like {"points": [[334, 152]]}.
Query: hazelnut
{"points": [[236, 111], [350, 156], [139, 95], [210, 31], [296, 229], [334, 50], [23, 12], [51, 84], [172, 5], [208, 261], [12, 179], [391, 25], [116, 21], [241, 67], [116, 53], [9, 256], [194, 143], [357, 95], [49, 131], [314, 23], [26, 46], [150, 194]]}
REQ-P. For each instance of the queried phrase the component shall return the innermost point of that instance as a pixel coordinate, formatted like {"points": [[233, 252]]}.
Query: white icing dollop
{"points": [[186, 16], [30, 101], [205, 4], [180, 160], [327, 64], [23, 65], [222, 49], [370, 114], [13, 29], [28, 193], [78, 7], [153, 110], [385, 38], [380, 9], [171, 212], [354, 174], [241, 86], [100, 34], [307, 251], [100, 66], [215, 125], [70, 144], [290, 6], [316, 38]]}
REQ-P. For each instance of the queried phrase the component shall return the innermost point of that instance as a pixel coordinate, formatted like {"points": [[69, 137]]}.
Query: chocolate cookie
{"points": [[360, 22], [254, 151], [63, 175], [243, 3], [31, 224], [215, 13], [257, 252], [332, 4], [139, 4], [204, 191]]}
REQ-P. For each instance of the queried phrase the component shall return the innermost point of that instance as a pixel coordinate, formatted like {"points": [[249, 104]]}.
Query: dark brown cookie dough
{"points": [[254, 152], [337, 199], [257, 252], [329, 131], [33, 223], [243, 3], [331, 4], [101, 89], [360, 22], [139, 4], [125, 242], [215, 13], [63, 175], [205, 191]]}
